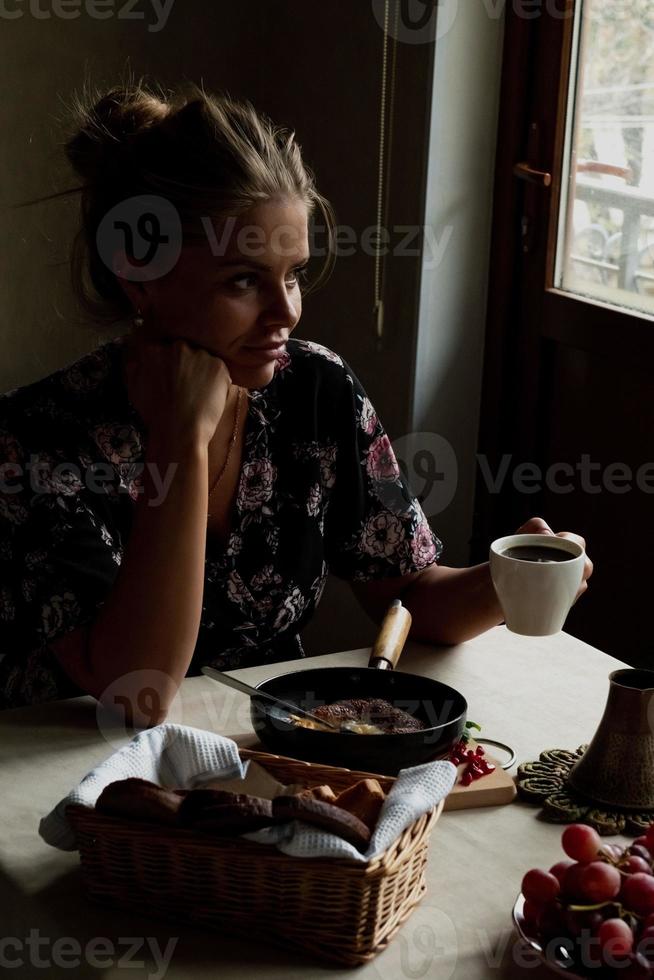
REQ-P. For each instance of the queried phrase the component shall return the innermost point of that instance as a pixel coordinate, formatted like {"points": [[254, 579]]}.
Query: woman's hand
{"points": [[536, 525], [179, 390]]}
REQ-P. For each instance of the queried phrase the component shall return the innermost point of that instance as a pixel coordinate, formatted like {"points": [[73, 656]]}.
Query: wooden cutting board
{"points": [[493, 790]]}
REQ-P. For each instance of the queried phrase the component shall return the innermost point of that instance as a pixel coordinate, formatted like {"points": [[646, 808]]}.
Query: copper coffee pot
{"points": [[617, 768]]}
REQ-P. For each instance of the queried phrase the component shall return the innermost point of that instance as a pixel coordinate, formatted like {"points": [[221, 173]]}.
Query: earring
{"points": [[138, 319]]}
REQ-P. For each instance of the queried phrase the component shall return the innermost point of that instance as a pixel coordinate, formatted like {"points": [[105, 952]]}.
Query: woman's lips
{"points": [[266, 353]]}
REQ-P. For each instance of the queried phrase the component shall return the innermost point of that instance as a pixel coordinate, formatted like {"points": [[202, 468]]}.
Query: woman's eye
{"points": [[247, 279], [297, 277], [300, 275]]}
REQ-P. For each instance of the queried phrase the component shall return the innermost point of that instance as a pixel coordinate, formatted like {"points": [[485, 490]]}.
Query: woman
{"points": [[199, 476]]}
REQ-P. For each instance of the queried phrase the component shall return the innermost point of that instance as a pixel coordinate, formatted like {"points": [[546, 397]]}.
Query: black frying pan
{"points": [[442, 708]]}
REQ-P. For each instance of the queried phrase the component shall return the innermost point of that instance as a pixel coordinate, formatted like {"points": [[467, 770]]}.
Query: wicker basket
{"points": [[336, 909]]}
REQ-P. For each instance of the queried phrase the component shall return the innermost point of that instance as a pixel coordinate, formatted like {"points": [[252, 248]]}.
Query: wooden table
{"points": [[532, 693]]}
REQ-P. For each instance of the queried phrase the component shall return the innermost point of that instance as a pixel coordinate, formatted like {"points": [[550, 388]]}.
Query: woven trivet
{"points": [[562, 808], [544, 783]]}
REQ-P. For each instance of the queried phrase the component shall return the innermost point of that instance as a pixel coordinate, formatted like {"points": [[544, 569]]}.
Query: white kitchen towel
{"points": [[174, 756], [179, 757]]}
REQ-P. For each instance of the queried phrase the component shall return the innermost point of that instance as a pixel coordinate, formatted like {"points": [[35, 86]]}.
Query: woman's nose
{"points": [[282, 307]]}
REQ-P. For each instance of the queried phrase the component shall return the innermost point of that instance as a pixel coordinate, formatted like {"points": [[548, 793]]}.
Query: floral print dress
{"points": [[320, 491]]}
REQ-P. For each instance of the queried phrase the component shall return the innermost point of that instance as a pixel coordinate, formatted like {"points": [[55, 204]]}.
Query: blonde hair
{"points": [[208, 155]]}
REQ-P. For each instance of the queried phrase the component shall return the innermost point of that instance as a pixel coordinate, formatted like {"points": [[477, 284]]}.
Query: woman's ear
{"points": [[135, 291]]}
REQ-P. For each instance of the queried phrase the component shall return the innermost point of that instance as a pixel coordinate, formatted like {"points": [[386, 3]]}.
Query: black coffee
{"points": [[535, 552]]}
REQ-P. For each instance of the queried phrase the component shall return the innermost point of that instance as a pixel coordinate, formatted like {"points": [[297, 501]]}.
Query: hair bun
{"points": [[104, 130]]}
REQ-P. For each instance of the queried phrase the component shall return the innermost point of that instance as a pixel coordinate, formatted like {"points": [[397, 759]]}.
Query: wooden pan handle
{"points": [[391, 638]]}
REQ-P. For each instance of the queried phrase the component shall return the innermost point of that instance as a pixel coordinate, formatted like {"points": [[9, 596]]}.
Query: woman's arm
{"points": [[447, 605], [450, 605], [135, 654], [150, 619]]}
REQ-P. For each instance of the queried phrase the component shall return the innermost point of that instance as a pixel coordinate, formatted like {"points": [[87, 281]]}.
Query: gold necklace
{"points": [[232, 440]]}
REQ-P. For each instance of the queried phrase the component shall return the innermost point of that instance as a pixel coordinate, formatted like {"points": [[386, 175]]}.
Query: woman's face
{"points": [[242, 299]]}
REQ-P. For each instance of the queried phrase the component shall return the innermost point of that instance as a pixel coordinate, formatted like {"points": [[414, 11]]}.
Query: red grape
{"points": [[578, 922], [571, 885], [646, 943], [551, 922], [649, 838], [614, 851], [649, 921], [638, 893], [616, 938], [540, 887], [641, 840], [580, 842], [589, 948], [599, 882], [559, 869], [635, 864], [641, 852], [530, 913], [637, 968]]}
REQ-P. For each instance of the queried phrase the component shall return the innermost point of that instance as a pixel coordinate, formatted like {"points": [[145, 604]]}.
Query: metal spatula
{"points": [[253, 692]]}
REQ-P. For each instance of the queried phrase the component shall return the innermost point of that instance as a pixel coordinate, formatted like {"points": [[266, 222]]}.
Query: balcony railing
{"points": [[624, 258]]}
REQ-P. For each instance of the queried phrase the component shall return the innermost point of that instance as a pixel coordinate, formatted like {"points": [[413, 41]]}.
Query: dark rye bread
{"points": [[219, 812], [225, 814], [138, 799], [197, 801], [234, 819], [323, 815]]}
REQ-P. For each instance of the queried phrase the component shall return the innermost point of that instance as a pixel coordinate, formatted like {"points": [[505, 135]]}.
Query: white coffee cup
{"points": [[536, 596]]}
